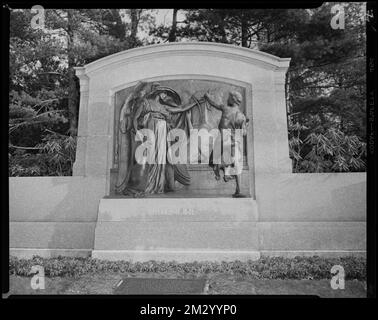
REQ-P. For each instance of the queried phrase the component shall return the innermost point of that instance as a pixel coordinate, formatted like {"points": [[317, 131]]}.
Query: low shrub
{"points": [[265, 268]]}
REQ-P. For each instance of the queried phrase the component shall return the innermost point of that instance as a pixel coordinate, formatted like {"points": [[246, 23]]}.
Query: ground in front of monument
{"points": [[218, 283], [268, 276]]}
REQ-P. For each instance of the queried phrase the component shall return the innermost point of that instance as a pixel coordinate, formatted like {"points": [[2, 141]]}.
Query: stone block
{"points": [[173, 235], [51, 235], [304, 236]]}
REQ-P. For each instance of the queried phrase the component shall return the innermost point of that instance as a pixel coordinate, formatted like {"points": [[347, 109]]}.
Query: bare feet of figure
{"points": [[139, 195], [216, 172], [127, 193]]}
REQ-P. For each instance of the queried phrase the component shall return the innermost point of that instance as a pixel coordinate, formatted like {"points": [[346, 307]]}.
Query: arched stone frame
{"points": [[263, 72]]}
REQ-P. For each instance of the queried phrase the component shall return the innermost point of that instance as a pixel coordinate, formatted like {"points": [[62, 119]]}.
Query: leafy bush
{"points": [[325, 150], [265, 268]]}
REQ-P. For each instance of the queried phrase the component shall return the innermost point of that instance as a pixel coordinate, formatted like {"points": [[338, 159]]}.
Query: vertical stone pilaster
{"points": [[79, 165], [284, 162]]}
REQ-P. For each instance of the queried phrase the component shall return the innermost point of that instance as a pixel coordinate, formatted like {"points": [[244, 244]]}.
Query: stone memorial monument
{"points": [[226, 108]]}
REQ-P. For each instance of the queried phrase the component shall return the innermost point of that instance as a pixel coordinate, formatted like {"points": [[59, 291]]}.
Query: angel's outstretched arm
{"points": [[213, 103], [183, 109]]}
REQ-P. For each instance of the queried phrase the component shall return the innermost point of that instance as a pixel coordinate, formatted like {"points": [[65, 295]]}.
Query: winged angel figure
{"points": [[158, 108]]}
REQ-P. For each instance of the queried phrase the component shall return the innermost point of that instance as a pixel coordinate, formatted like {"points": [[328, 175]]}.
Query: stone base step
{"points": [[163, 209], [178, 256]]}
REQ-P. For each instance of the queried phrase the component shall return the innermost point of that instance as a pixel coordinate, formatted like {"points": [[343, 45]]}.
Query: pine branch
{"points": [[30, 122], [24, 148]]}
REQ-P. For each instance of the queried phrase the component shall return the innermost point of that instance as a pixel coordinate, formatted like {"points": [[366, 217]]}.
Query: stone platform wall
{"points": [[303, 213], [53, 215], [296, 214]]}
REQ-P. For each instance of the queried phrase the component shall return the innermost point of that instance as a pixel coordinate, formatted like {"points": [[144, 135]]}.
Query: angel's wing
{"points": [[129, 104], [138, 87], [138, 92], [125, 107]]}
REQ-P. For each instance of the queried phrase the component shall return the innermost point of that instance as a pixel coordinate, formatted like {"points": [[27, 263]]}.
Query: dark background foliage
{"points": [[325, 84]]}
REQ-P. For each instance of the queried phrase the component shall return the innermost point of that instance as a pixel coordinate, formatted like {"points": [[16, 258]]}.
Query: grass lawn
{"points": [[219, 283]]}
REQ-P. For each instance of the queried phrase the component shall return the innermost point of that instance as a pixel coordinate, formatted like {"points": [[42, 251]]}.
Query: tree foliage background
{"points": [[325, 84]]}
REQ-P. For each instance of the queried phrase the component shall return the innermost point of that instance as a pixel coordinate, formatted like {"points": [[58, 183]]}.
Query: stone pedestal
{"points": [[181, 229]]}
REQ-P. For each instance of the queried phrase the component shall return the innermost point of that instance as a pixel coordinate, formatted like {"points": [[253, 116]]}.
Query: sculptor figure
{"points": [[232, 118]]}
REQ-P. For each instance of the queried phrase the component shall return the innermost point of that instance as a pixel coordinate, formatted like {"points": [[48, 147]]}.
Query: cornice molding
{"points": [[227, 51]]}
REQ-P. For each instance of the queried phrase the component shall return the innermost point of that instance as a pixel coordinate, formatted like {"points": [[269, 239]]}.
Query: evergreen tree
{"points": [[325, 84], [44, 95]]}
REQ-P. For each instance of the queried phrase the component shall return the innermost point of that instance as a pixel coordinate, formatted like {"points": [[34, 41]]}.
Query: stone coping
{"points": [[188, 48]]}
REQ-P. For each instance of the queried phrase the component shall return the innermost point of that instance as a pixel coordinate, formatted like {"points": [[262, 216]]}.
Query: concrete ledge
{"points": [[28, 253], [312, 253], [178, 256]]}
